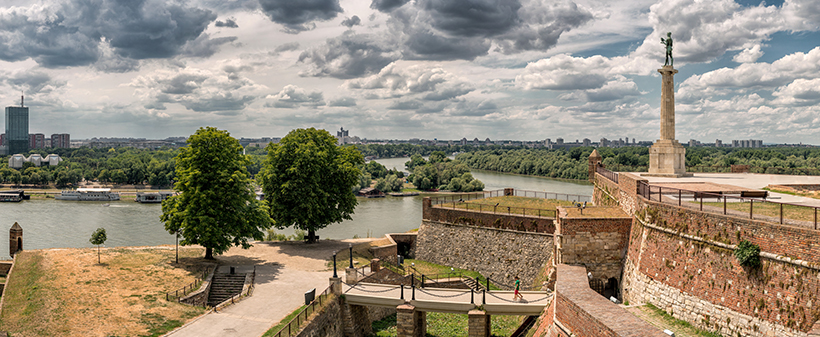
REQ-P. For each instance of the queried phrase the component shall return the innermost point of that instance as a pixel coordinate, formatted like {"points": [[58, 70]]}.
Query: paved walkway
{"points": [[284, 272], [750, 181]]}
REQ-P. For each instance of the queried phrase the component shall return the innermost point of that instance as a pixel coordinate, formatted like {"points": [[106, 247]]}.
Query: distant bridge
{"points": [[460, 301]]}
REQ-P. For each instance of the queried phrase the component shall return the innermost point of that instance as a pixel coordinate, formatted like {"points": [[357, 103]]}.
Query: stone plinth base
{"points": [[478, 324], [667, 158]]}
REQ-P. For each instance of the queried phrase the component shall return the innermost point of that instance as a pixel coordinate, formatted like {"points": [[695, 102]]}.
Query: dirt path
{"points": [[284, 272]]}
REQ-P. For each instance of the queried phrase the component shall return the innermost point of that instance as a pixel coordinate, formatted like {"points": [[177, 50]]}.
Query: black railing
{"points": [[796, 214], [509, 210], [292, 327], [612, 176], [466, 196], [176, 295], [552, 195]]}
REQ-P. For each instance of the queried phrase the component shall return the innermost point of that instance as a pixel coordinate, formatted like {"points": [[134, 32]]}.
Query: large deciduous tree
{"points": [[216, 206], [308, 180]]}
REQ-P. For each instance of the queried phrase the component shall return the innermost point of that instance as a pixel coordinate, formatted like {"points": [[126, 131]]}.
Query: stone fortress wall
{"points": [[682, 261], [499, 254]]}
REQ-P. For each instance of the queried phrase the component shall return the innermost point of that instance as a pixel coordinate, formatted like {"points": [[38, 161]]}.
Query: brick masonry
{"points": [[5, 266], [584, 312], [682, 261], [599, 244], [496, 253], [487, 219]]}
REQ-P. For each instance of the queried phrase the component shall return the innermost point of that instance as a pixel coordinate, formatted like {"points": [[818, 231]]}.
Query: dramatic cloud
{"points": [[564, 72], [298, 16], [224, 93], [350, 22], [748, 55], [71, 33], [387, 5], [292, 97], [347, 56], [31, 82], [394, 81], [229, 23]]}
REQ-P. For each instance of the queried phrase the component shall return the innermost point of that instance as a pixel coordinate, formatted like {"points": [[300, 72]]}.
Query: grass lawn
{"points": [[768, 209], [517, 205], [66, 293], [433, 270], [447, 325], [662, 320]]}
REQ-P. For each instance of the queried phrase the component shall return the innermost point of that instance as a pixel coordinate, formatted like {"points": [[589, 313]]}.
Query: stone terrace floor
{"points": [[750, 181]]}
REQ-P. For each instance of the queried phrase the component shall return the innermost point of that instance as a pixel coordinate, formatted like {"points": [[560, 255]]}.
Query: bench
{"points": [[754, 194]]}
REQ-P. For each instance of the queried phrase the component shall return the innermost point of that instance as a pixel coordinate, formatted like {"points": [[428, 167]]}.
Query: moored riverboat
{"points": [[89, 194], [13, 196], [152, 197]]}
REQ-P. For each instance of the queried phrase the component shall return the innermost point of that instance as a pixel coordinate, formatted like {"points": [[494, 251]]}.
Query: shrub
{"points": [[748, 254]]}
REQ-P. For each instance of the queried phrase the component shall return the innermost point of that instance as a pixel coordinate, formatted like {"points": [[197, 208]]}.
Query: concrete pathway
{"points": [[284, 272], [751, 181]]}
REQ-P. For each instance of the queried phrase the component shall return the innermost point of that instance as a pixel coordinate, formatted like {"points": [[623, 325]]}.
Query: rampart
{"points": [[500, 254], [441, 213], [400, 243], [599, 244], [577, 310], [682, 260]]}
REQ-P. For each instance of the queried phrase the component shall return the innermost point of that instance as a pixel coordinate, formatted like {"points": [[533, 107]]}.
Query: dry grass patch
{"points": [[66, 293]]}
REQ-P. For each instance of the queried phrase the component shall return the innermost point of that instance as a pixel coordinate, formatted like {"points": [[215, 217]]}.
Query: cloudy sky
{"points": [[398, 69]]}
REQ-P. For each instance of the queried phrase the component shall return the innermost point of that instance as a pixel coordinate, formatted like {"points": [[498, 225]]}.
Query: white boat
{"points": [[89, 194], [152, 197]]}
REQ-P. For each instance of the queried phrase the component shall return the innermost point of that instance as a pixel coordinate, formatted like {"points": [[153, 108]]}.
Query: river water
{"points": [[53, 224]]}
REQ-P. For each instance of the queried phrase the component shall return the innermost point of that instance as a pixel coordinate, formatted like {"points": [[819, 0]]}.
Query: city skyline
{"points": [[397, 69]]}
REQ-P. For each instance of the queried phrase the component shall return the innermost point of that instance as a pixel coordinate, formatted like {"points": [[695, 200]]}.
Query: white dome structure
{"points": [[16, 161]]}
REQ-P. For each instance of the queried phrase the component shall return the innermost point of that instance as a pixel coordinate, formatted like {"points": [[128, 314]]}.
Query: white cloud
{"points": [[748, 55]]}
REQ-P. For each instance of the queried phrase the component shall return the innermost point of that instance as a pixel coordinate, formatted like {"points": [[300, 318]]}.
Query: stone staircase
{"points": [[225, 286], [471, 282]]}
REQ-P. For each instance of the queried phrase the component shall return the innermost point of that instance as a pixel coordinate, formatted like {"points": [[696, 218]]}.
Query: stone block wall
{"points": [[496, 253], [599, 244], [325, 322], [407, 240], [5, 266], [584, 312], [488, 219]]}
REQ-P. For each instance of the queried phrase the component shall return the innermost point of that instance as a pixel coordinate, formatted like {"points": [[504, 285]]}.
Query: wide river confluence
{"points": [[56, 224]]}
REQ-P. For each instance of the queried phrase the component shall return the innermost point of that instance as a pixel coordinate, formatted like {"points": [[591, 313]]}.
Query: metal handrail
{"points": [[539, 212], [188, 288], [647, 191], [294, 324]]}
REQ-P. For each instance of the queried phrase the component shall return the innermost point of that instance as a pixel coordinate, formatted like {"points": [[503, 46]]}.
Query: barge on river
{"points": [[89, 194], [152, 197], [13, 196]]}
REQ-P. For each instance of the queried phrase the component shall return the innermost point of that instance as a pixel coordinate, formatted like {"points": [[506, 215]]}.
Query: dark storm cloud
{"points": [[426, 45], [71, 33], [347, 56], [472, 18], [181, 84], [299, 15], [387, 5], [473, 109], [228, 23], [285, 47], [542, 25], [350, 22]]}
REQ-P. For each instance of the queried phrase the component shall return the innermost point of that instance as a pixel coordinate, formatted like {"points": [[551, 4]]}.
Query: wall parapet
{"points": [[526, 223], [584, 312]]}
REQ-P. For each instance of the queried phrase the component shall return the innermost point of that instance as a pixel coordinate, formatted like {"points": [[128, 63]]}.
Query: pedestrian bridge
{"points": [[460, 301]]}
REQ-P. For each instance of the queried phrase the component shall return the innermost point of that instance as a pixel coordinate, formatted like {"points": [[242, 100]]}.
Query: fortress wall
{"points": [[583, 312], [488, 219], [682, 261], [599, 244], [5, 266], [497, 253], [606, 192]]}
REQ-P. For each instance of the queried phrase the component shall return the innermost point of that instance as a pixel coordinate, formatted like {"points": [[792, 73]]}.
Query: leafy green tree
{"points": [[217, 206], [98, 238], [307, 180]]}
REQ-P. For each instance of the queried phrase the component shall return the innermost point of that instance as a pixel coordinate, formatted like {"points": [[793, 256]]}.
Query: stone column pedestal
{"points": [[667, 158], [478, 324], [351, 276], [335, 286], [409, 322]]}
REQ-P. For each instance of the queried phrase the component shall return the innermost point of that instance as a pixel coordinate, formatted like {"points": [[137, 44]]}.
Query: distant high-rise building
{"points": [[61, 140], [17, 138], [587, 142], [36, 141], [718, 143]]}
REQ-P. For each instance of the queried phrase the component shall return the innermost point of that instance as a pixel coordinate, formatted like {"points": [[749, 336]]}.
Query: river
{"points": [[53, 224]]}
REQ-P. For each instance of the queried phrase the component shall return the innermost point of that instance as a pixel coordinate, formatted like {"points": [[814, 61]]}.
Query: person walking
{"points": [[517, 295]]}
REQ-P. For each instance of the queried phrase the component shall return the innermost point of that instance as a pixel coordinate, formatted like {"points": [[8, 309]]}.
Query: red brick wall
{"points": [[545, 321], [586, 313], [488, 219]]}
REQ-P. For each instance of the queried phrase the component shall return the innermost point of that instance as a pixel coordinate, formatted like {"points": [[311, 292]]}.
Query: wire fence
{"points": [[176, 295], [754, 205], [293, 326]]}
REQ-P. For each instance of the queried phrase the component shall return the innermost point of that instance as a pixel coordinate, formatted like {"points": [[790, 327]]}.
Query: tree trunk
{"points": [[311, 236], [209, 253], [98, 254]]}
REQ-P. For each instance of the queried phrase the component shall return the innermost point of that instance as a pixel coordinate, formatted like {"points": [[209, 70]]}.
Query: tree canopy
{"points": [[216, 206], [308, 180], [98, 238]]}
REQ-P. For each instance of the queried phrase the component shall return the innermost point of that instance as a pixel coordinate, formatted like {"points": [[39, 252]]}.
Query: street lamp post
{"points": [[177, 233], [334, 266], [351, 255]]}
